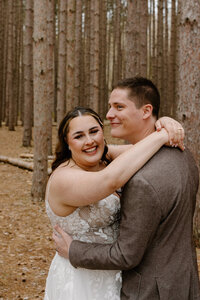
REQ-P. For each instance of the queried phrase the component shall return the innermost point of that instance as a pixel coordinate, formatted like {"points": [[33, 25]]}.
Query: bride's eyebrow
{"points": [[95, 127], [77, 132]]}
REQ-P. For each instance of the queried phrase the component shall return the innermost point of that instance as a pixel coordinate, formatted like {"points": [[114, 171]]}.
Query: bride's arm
{"points": [[172, 126], [74, 187]]}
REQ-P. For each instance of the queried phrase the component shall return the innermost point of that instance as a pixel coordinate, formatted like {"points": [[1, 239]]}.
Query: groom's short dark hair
{"points": [[142, 91]]}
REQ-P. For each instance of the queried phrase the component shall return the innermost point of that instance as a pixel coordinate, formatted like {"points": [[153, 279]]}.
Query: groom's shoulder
{"points": [[167, 161]]}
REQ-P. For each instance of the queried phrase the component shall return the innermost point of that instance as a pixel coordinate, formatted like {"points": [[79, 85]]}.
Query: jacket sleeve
{"points": [[140, 217]]}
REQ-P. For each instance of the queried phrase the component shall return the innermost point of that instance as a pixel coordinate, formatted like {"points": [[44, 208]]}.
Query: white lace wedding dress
{"points": [[94, 223]]}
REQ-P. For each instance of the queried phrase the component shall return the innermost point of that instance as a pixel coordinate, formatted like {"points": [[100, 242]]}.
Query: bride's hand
{"points": [[174, 129]]}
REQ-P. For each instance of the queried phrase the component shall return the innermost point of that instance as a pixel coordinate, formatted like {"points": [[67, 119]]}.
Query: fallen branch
{"points": [[19, 163], [30, 155]]}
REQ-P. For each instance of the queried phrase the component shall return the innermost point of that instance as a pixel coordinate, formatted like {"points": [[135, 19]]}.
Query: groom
{"points": [[154, 248]]}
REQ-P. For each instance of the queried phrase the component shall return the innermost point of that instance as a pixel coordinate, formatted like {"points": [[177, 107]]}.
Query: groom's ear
{"points": [[147, 111]]}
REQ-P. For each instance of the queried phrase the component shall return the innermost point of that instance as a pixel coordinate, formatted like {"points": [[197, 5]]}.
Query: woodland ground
{"points": [[25, 236]]}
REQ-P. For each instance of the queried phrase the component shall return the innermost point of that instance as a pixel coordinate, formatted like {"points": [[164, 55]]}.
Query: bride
{"points": [[81, 197]]}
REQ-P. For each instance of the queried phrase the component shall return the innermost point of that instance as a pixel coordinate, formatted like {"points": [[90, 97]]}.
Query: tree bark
{"points": [[9, 81], [78, 67], [103, 89], [132, 38], [40, 100], [160, 51], [28, 73], [50, 69], [172, 59], [87, 43], [143, 36], [166, 102], [188, 83], [95, 68], [1, 59], [61, 87], [117, 43], [70, 54]]}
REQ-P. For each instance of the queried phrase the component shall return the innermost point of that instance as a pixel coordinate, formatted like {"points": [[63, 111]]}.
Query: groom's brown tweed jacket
{"points": [[154, 248]]}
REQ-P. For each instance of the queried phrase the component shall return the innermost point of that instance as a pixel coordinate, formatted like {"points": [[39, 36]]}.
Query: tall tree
{"points": [[110, 45], [154, 45], [50, 68], [117, 62], [143, 12], [188, 82], [40, 100], [87, 43], [1, 59], [20, 69], [165, 104], [160, 50], [70, 53], [9, 80], [103, 59], [78, 68], [61, 82], [28, 73], [5, 64], [131, 39], [136, 38], [92, 37], [172, 59], [94, 75]]}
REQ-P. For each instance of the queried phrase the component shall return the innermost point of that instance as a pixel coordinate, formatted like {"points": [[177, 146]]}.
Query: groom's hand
{"points": [[62, 241]]}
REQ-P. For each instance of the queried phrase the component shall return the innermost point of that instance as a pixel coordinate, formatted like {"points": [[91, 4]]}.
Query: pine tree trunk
{"points": [[160, 51], [14, 66], [95, 75], [1, 61], [131, 39], [92, 33], [143, 36], [117, 44], [78, 91], [61, 81], [20, 84], [87, 53], [70, 54], [103, 59], [188, 83], [50, 69], [154, 47], [5, 64], [9, 80], [40, 100], [28, 73], [172, 60], [109, 54], [166, 102]]}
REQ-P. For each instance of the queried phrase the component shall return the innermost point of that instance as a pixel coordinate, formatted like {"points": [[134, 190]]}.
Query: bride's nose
{"points": [[89, 140]]}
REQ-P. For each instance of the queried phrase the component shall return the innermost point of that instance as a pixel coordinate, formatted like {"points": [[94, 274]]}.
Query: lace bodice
{"points": [[93, 223]]}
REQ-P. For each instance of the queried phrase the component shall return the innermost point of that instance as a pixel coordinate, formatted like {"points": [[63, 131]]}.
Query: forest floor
{"points": [[25, 236]]}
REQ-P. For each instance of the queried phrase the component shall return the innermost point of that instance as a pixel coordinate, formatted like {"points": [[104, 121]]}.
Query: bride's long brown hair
{"points": [[62, 152]]}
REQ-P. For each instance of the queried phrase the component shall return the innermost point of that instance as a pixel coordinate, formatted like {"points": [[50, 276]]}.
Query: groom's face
{"points": [[125, 118]]}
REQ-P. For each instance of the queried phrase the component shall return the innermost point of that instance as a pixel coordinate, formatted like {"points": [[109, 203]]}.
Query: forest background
{"points": [[57, 54]]}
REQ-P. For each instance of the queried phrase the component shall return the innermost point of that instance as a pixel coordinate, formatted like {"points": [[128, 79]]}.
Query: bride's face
{"points": [[86, 141]]}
